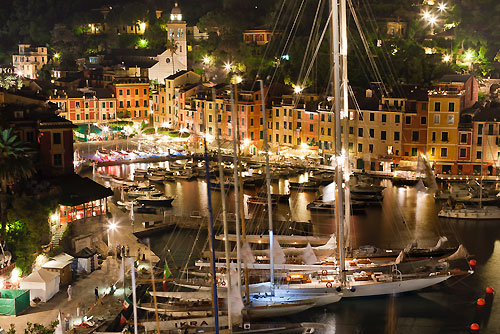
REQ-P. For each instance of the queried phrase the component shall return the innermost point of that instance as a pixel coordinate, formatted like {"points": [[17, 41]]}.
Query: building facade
{"points": [[29, 60]]}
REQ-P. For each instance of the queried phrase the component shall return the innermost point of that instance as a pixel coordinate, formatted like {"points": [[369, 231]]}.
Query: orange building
{"points": [[132, 95]]}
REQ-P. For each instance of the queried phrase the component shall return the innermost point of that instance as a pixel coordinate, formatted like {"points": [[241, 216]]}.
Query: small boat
{"points": [[141, 193], [261, 201], [305, 186], [156, 200], [156, 179], [366, 188]]}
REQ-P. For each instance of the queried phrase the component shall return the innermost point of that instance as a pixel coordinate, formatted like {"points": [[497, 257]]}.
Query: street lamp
{"points": [[297, 89], [228, 66], [442, 6], [237, 79], [111, 227], [446, 58], [206, 60]]}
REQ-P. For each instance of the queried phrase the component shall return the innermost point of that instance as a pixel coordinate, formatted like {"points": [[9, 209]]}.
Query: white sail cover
{"points": [[278, 254], [400, 257], [440, 243], [59, 328], [329, 193], [235, 294], [330, 245], [247, 254], [460, 253], [308, 256]]}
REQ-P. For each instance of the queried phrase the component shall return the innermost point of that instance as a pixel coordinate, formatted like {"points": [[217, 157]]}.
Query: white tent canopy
{"points": [[42, 284]]}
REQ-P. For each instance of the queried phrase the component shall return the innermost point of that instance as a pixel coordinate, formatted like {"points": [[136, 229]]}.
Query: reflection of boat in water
{"points": [[405, 176], [366, 188], [304, 186], [279, 197], [260, 201]]}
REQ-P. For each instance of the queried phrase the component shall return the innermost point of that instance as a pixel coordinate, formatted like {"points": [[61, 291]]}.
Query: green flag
{"points": [[166, 270]]}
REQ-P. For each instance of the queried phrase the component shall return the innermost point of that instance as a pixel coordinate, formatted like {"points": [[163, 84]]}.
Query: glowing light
{"points": [[442, 6], [432, 20], [426, 15], [112, 226], [446, 58], [303, 145], [143, 43], [57, 55], [228, 66], [246, 142], [469, 55], [237, 79], [54, 217], [297, 89], [206, 60], [142, 25], [105, 128]]}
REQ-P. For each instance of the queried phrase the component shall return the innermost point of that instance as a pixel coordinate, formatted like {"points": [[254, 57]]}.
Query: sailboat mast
{"points": [[481, 185], [345, 115], [224, 216], [236, 189], [212, 242], [339, 206], [268, 187], [134, 295]]}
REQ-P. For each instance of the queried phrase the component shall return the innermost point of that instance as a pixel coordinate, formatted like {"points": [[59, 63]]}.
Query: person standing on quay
{"points": [[70, 292], [96, 292]]}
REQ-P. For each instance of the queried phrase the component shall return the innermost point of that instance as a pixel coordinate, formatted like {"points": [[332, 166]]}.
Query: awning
{"points": [[76, 190]]}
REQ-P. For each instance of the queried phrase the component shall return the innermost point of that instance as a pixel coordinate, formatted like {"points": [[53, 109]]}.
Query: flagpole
{"points": [[134, 297], [212, 241], [123, 267], [154, 291]]}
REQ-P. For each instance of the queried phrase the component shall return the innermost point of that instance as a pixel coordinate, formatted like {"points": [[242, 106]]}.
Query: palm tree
{"points": [[172, 46], [15, 165]]}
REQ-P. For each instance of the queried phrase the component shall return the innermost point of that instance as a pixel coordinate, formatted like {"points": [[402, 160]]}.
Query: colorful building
{"points": [[132, 95], [415, 122], [29, 60]]}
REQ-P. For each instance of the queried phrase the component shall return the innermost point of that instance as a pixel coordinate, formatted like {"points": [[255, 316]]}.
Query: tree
{"points": [[172, 46], [36, 328], [15, 165]]}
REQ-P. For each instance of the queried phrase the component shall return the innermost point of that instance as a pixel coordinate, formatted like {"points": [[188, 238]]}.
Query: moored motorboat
{"points": [[156, 200]]}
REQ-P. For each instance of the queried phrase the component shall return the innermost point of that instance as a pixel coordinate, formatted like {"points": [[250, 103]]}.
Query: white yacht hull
{"points": [[473, 214]]}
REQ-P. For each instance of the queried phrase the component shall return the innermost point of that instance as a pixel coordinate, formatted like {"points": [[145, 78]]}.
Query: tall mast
{"points": [[268, 187], [236, 189], [339, 205], [212, 242], [224, 216], [345, 116]]}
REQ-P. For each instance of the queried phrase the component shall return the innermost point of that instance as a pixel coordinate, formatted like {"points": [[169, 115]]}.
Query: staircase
{"points": [[57, 236]]}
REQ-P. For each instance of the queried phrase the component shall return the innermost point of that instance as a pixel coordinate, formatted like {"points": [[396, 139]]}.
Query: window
{"points": [[136, 92], [299, 141], [463, 138], [210, 118], [311, 127], [383, 135], [121, 104], [396, 135], [299, 125], [251, 136], [451, 119], [360, 132], [490, 129], [433, 136], [444, 136], [436, 119], [480, 129], [146, 103], [372, 117], [423, 120], [277, 113], [77, 104], [120, 92], [370, 148], [451, 106], [351, 130], [262, 135], [408, 120], [251, 121], [78, 117], [444, 152], [384, 118], [360, 148], [298, 114], [284, 125], [56, 138], [397, 118], [433, 151], [137, 103], [86, 116], [437, 106], [128, 91], [229, 132], [104, 104], [463, 153], [284, 138], [311, 117], [229, 118], [103, 117], [415, 136], [57, 159], [360, 116], [479, 154], [277, 138], [414, 152], [372, 133], [261, 121], [330, 131], [145, 91], [278, 125], [219, 118], [479, 141], [111, 104], [128, 104]]}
